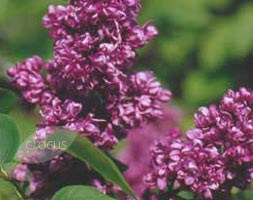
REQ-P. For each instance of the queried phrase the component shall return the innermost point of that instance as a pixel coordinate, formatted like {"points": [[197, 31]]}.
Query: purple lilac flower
{"points": [[88, 86], [216, 155], [186, 166], [230, 128], [139, 103], [137, 155], [93, 39], [27, 78]]}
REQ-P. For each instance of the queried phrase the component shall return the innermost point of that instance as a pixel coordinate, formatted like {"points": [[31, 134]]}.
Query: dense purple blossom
{"points": [[93, 38], [230, 128], [139, 102], [217, 154], [27, 78], [88, 86], [187, 166], [57, 111]]}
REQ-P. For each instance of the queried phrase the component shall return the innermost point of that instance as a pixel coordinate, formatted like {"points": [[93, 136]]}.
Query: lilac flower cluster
{"points": [[137, 155], [216, 155], [87, 87], [95, 41], [26, 77]]}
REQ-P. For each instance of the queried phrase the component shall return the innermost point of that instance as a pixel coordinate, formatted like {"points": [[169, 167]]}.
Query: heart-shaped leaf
{"points": [[80, 193]]}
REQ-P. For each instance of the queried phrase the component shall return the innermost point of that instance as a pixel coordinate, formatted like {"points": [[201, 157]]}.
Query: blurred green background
{"points": [[204, 48]]}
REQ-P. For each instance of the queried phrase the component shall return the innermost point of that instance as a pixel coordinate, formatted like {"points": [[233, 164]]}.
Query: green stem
{"points": [[18, 191], [3, 174]]}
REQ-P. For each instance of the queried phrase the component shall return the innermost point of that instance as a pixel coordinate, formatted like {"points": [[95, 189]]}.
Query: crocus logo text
{"points": [[52, 145]]}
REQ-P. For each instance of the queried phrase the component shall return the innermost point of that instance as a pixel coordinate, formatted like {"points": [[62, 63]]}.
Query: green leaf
{"points": [[10, 139], [7, 191], [80, 193], [122, 167], [85, 151], [186, 195], [7, 100], [25, 120]]}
